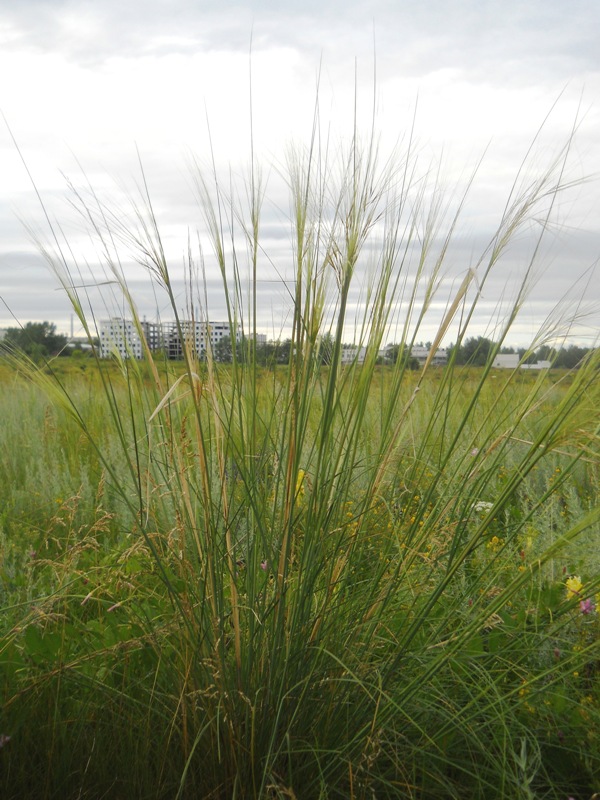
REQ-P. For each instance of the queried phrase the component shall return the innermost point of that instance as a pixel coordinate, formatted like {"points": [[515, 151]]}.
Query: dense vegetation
{"points": [[314, 581], [36, 339]]}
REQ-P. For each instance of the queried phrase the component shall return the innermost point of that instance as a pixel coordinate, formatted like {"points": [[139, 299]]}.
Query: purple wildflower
{"points": [[587, 606], [264, 565]]}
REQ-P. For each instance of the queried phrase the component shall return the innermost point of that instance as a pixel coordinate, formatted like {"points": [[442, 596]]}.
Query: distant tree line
{"points": [[36, 339], [401, 353], [266, 353], [476, 351], [269, 353], [40, 340]]}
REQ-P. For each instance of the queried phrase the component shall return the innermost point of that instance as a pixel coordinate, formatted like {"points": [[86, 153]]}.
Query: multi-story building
{"points": [[421, 353], [197, 335], [119, 336], [153, 333], [352, 353]]}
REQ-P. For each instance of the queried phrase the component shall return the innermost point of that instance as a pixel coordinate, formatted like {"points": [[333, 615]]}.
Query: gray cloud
{"points": [[543, 45], [492, 43]]}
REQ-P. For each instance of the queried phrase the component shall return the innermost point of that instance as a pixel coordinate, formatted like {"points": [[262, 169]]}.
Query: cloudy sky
{"points": [[88, 89]]}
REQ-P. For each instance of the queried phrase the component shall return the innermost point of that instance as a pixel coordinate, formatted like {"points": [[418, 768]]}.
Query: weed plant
{"points": [[346, 581]]}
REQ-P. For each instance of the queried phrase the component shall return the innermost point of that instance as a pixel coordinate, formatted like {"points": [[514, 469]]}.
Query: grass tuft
{"points": [[318, 580]]}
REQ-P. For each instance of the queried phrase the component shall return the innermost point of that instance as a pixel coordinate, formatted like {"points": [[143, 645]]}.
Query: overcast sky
{"points": [[86, 86]]}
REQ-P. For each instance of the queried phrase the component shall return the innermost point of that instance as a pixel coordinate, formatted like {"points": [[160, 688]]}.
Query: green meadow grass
{"points": [[116, 633], [308, 582]]}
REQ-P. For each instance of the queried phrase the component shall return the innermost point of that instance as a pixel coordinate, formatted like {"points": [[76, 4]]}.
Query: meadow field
{"points": [[309, 581], [174, 626]]}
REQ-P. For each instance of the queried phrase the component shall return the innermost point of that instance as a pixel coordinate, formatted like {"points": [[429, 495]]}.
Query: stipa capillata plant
{"points": [[327, 595]]}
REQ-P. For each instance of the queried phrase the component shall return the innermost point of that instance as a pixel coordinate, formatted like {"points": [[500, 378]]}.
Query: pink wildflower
{"points": [[587, 606]]}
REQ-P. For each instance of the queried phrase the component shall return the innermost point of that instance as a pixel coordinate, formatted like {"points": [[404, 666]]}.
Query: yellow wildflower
{"points": [[574, 586], [300, 484], [495, 544]]}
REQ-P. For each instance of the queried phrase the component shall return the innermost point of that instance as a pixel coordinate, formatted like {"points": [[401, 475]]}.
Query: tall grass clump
{"points": [[328, 579]]}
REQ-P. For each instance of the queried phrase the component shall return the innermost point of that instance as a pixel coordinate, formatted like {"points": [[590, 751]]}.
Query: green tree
{"points": [[36, 339], [395, 353], [545, 353], [475, 351], [392, 352], [570, 357], [326, 349], [266, 354], [223, 351], [283, 351], [526, 356]]}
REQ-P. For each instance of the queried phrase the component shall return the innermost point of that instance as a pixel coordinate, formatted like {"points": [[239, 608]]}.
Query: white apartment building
{"points": [[119, 336], [198, 335], [538, 365], [439, 359], [506, 361], [352, 353]]}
